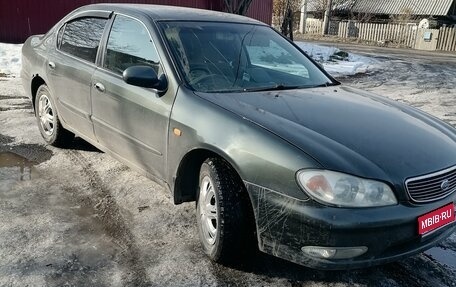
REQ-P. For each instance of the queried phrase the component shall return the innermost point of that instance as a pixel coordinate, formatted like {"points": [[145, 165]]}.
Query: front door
{"points": [[128, 120]]}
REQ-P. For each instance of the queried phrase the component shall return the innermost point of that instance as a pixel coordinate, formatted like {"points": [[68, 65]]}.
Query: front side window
{"points": [[232, 57], [81, 37], [129, 44]]}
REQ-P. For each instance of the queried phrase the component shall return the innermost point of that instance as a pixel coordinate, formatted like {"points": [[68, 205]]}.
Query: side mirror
{"points": [[146, 77]]}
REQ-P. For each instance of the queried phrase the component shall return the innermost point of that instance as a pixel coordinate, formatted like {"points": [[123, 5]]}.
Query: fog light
{"points": [[334, 252]]}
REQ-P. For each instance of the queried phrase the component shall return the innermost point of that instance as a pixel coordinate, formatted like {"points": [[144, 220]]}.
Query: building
{"points": [[441, 10], [22, 18], [420, 8]]}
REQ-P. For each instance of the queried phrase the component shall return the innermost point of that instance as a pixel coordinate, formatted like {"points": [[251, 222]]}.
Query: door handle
{"points": [[51, 65], [100, 87]]}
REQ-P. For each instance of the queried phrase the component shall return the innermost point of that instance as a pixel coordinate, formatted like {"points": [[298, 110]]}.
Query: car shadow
{"points": [[272, 267], [80, 144]]}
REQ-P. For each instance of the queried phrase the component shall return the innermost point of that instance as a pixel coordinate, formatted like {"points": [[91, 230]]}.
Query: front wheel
{"points": [[224, 221], [48, 121]]}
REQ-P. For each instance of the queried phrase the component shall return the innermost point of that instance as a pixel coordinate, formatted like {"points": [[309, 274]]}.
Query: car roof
{"points": [[172, 13]]}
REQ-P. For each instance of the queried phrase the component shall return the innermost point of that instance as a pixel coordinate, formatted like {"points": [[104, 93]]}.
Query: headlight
{"points": [[345, 190]]}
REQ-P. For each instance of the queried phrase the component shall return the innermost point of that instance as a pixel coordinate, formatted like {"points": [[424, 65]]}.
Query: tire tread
{"points": [[236, 232]]}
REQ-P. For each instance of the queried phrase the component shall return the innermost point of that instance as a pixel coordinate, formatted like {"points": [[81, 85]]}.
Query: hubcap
{"points": [[46, 114], [208, 210]]}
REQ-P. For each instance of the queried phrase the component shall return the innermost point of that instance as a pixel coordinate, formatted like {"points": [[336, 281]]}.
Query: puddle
{"points": [[14, 168], [443, 256]]}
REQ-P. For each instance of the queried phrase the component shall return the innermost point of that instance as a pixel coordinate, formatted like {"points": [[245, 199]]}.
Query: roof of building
{"points": [[414, 7], [390, 7]]}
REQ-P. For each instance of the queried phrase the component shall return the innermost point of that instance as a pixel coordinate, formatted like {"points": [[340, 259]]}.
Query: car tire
{"points": [[224, 220], [49, 123]]}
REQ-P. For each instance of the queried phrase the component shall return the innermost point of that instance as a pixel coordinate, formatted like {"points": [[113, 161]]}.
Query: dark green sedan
{"points": [[224, 111]]}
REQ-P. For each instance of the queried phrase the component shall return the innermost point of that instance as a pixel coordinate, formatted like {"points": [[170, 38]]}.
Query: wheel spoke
{"points": [[203, 190], [49, 118], [47, 106], [47, 125], [211, 210], [212, 231], [208, 210], [205, 227], [40, 110]]}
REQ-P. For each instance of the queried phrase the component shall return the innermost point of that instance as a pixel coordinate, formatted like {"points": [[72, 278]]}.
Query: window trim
{"points": [[57, 44], [81, 15], [106, 40]]}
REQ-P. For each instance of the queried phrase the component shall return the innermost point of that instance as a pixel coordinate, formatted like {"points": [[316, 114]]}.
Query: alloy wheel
{"points": [[46, 114]]}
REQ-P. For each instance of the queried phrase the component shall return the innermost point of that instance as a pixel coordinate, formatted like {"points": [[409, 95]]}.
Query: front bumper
{"points": [[286, 224]]}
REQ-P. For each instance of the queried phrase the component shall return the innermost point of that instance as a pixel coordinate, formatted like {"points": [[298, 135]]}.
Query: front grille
{"points": [[429, 187]]}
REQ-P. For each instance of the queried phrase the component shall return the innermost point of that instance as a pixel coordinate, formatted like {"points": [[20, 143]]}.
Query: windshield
{"points": [[231, 57]]}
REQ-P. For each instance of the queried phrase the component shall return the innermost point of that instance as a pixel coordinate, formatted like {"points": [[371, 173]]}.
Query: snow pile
{"points": [[337, 62], [10, 59]]}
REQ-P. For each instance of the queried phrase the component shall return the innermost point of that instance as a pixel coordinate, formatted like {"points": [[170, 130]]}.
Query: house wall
{"points": [[452, 12], [20, 19]]}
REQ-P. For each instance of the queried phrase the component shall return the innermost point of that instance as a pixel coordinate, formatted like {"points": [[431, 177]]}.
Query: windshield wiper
{"points": [[278, 87], [327, 84], [281, 87]]}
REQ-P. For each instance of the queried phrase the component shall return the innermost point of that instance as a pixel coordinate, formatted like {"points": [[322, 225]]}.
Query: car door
{"points": [[71, 65], [131, 121]]}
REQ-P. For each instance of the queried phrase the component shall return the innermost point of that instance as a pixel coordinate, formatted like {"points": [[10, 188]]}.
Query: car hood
{"points": [[349, 130]]}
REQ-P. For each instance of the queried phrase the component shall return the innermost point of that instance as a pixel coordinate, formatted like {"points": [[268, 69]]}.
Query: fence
{"points": [[447, 39], [404, 35], [314, 26], [399, 34]]}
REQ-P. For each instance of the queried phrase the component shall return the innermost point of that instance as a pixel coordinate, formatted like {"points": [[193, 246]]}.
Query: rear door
{"points": [[131, 121], [71, 66]]}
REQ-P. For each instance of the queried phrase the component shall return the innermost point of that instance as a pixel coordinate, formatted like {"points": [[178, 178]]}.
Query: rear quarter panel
{"points": [[34, 57]]}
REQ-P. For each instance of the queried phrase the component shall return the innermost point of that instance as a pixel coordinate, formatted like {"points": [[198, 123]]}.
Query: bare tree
{"points": [[406, 15], [327, 16], [361, 17], [239, 7], [319, 6], [284, 11]]}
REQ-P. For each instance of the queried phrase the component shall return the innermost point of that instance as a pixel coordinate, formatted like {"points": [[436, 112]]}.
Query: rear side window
{"points": [[129, 44], [81, 37]]}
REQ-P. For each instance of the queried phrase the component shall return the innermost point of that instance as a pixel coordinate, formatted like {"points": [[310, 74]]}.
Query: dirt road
{"points": [[77, 217]]}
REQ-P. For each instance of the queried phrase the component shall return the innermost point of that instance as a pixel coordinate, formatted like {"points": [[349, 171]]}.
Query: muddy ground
{"points": [[77, 217]]}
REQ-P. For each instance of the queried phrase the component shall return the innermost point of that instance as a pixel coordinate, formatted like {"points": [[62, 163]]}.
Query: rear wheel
{"points": [[224, 221], [48, 120]]}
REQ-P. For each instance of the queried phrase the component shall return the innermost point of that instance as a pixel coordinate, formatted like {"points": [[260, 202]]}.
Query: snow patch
{"points": [[351, 65], [10, 59]]}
